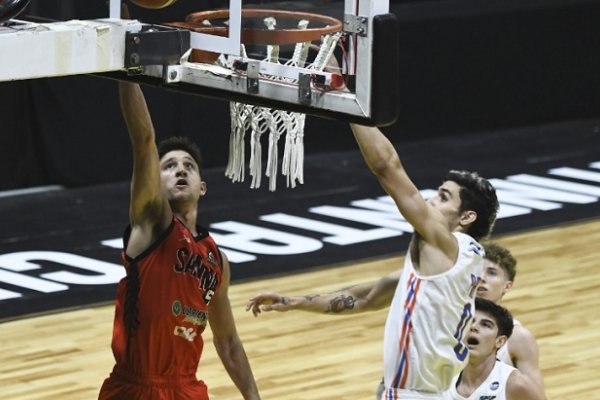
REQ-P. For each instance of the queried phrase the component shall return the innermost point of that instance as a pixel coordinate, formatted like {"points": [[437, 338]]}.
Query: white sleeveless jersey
{"points": [[493, 388], [503, 354], [423, 348]]}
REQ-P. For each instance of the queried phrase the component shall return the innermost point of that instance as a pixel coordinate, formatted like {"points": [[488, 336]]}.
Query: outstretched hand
{"points": [[268, 302]]}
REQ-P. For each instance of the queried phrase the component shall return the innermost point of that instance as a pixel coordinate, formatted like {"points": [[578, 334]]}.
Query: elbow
{"points": [[225, 345], [385, 164]]}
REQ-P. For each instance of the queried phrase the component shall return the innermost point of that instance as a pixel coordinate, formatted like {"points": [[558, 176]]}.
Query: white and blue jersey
{"points": [[429, 315], [494, 386]]}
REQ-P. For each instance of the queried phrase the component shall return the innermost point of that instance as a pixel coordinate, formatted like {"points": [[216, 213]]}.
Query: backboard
{"points": [[263, 53]]}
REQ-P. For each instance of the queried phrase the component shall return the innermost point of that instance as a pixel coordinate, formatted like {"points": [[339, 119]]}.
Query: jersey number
{"points": [[208, 295], [460, 349]]}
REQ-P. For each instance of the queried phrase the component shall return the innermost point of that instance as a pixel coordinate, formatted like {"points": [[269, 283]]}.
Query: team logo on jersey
{"points": [[192, 264], [188, 334], [494, 385], [176, 308], [211, 258], [487, 397], [476, 248]]}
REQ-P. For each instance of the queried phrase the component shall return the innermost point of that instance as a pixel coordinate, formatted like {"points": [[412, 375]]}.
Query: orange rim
{"points": [[264, 36]]}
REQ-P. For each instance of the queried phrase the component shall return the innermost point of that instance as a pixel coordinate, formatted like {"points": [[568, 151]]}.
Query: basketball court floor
{"points": [[59, 258], [60, 264]]}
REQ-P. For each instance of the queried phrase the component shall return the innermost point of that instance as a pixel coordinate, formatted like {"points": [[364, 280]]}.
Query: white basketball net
{"points": [[257, 121]]}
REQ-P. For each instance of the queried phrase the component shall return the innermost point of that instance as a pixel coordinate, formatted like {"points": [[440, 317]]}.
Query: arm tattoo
{"points": [[312, 297], [340, 303]]}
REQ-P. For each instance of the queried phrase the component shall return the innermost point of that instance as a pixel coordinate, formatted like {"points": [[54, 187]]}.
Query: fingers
{"points": [[254, 306], [263, 302]]}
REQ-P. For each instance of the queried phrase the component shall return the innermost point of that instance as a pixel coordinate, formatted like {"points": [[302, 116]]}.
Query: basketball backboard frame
{"points": [[229, 44], [107, 48]]}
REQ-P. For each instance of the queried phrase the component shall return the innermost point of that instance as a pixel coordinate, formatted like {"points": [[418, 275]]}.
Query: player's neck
{"points": [[188, 218], [475, 373]]}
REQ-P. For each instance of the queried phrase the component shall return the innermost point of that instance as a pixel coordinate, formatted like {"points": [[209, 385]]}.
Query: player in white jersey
{"points": [[493, 387], [485, 377], [521, 349], [426, 323], [433, 303]]}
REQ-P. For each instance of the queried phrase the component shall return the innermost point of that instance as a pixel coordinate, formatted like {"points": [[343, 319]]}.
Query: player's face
{"points": [[494, 282], [180, 177], [483, 340], [447, 201]]}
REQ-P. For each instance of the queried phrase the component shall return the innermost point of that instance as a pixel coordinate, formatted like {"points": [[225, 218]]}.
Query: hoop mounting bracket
{"points": [[155, 45], [252, 77], [172, 73], [304, 92], [356, 24]]}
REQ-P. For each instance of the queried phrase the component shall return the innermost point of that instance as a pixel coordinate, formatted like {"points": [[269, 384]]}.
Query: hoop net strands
{"points": [[256, 121]]}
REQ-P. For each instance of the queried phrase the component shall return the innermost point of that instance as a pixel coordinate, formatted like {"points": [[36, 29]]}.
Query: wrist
{"points": [[291, 302]]}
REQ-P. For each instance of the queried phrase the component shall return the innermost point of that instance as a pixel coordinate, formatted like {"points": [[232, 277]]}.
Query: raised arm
{"points": [[524, 351], [359, 298], [149, 209], [383, 161], [227, 341]]}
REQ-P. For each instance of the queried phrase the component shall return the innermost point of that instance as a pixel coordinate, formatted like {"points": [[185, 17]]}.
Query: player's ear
{"points": [[500, 341], [507, 287], [468, 217]]}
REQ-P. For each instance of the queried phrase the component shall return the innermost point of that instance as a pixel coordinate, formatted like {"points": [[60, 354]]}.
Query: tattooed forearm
{"points": [[331, 303], [340, 303], [312, 297]]}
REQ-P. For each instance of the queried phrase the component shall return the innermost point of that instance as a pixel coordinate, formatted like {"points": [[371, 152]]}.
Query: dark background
{"points": [[76, 221], [465, 66]]}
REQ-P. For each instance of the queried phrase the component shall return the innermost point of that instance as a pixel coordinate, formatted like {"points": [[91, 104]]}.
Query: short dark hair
{"points": [[180, 143], [501, 315], [503, 257], [477, 194]]}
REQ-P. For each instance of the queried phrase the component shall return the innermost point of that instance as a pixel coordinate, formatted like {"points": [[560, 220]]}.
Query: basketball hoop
{"points": [[299, 29]]}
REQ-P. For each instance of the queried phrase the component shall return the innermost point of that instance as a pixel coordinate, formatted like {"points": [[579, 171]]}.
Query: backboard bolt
{"points": [[134, 59], [173, 75], [252, 76], [304, 92], [135, 40], [356, 24]]}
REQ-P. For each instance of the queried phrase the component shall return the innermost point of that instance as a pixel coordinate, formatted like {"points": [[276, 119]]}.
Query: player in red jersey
{"points": [[177, 278]]}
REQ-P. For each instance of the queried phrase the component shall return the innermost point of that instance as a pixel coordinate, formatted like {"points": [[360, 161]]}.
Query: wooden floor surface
{"points": [[305, 356]]}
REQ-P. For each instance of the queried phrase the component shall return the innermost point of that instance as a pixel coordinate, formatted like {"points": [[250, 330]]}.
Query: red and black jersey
{"points": [[178, 275]]}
